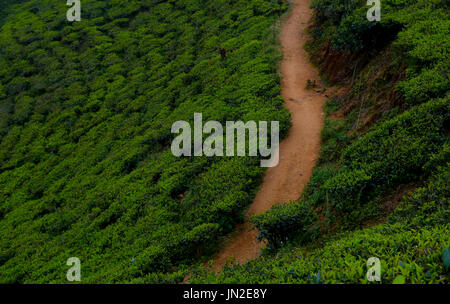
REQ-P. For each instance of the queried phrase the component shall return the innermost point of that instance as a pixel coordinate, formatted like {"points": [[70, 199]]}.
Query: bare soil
{"points": [[300, 150]]}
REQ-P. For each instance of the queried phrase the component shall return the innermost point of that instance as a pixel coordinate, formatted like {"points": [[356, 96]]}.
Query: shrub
{"points": [[393, 152], [285, 222]]}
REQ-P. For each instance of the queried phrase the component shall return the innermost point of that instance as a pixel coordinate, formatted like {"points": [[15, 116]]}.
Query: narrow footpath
{"points": [[300, 150]]}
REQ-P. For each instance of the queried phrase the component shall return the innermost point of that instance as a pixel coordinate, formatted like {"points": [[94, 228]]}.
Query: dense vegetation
{"points": [[385, 136], [86, 113]]}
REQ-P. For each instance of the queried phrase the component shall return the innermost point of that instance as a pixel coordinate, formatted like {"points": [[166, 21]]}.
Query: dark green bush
{"points": [[394, 152], [414, 245], [285, 222], [416, 255], [428, 205]]}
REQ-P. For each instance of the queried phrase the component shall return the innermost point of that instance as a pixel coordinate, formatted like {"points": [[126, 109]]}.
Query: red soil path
{"points": [[299, 151]]}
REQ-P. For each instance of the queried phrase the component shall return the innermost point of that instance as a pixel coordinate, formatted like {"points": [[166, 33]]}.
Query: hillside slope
{"points": [[380, 188], [85, 131], [299, 151]]}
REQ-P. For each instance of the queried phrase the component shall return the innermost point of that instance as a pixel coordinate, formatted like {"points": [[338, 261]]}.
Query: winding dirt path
{"points": [[299, 151]]}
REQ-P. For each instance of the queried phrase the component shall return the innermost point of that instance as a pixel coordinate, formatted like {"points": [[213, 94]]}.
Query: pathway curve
{"points": [[299, 151]]}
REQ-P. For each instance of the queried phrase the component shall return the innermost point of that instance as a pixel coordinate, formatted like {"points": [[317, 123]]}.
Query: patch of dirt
{"points": [[300, 150]]}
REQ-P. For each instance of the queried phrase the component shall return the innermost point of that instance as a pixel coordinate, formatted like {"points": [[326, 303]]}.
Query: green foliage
{"points": [[414, 254], [404, 149], [428, 205], [446, 258], [85, 169], [87, 109], [391, 153], [356, 174], [285, 222], [419, 29], [334, 139], [411, 248]]}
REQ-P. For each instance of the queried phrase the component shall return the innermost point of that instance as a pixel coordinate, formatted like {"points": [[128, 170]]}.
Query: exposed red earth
{"points": [[300, 150]]}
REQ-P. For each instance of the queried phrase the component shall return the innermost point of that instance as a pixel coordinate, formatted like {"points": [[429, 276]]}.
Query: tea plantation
{"points": [[85, 130], [381, 188]]}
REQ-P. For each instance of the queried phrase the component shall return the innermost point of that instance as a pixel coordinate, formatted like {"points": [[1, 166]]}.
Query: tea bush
{"points": [[284, 222], [393, 152], [411, 246]]}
